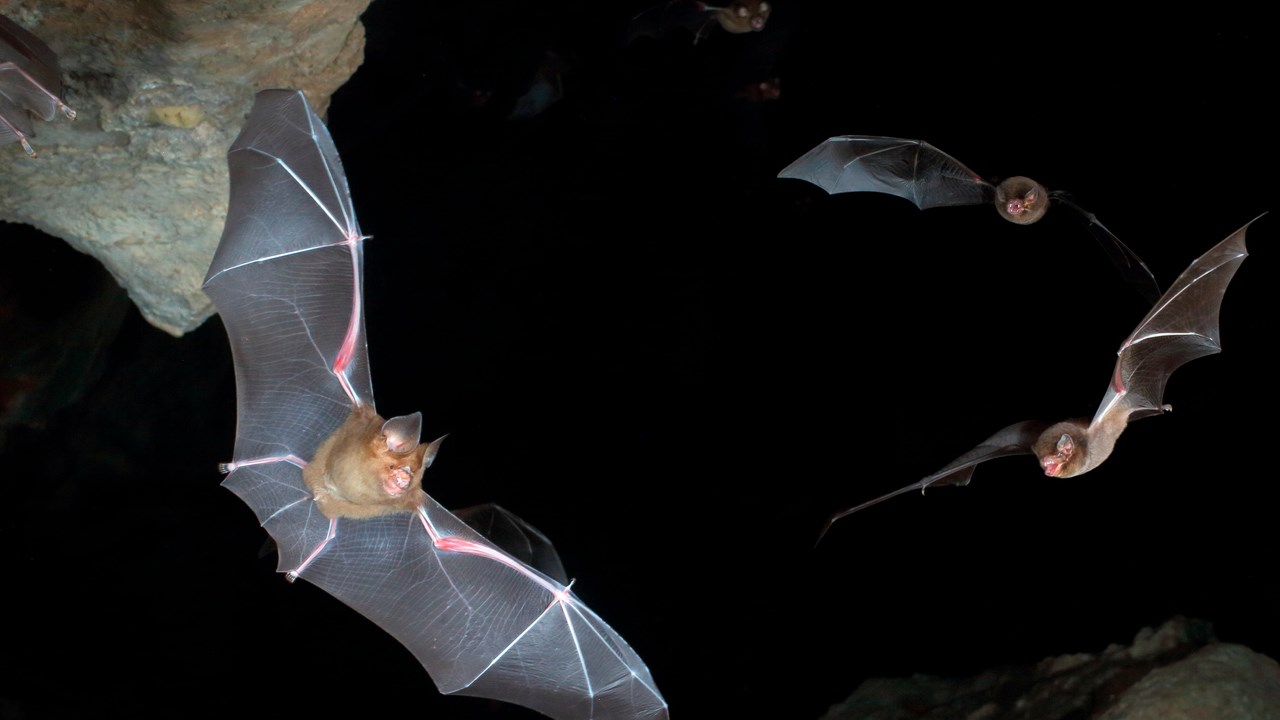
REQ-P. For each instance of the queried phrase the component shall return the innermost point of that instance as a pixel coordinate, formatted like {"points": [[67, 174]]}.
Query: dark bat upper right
{"points": [[928, 177]]}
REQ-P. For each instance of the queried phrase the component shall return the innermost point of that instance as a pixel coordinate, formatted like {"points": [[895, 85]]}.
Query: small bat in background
{"points": [[699, 18], [928, 177], [30, 83], [339, 488], [1181, 327]]}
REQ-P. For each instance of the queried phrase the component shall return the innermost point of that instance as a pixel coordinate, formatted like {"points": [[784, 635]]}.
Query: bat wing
{"points": [[516, 537], [1131, 267], [671, 16], [912, 169], [287, 280], [1015, 439], [30, 83], [1181, 327]]}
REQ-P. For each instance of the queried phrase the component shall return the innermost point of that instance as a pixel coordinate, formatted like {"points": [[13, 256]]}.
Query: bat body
{"points": [[339, 488], [929, 178], [30, 84], [1182, 326]]}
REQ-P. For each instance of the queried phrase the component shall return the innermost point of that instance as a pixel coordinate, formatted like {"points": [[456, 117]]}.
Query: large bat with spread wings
{"points": [[30, 84], [1181, 327], [930, 178], [339, 488]]}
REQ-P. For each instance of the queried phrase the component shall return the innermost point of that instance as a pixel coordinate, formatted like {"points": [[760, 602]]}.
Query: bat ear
{"points": [[432, 449], [1065, 444], [403, 432]]}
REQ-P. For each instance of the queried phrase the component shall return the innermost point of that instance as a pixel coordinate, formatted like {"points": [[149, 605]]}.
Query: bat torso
{"points": [[356, 473]]}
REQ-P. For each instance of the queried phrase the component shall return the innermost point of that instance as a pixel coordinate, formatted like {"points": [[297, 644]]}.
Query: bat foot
{"points": [[291, 576], [26, 147], [1166, 407], [71, 114]]}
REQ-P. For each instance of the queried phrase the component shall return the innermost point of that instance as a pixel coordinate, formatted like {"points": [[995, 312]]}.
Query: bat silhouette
{"points": [[1181, 327], [928, 177], [339, 488], [30, 84], [699, 18]]}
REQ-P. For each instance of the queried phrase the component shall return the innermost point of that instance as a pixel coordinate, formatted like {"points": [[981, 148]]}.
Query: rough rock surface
{"points": [[1178, 672], [161, 88]]}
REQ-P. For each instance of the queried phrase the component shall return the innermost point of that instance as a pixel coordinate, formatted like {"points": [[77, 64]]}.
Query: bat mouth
{"points": [[1052, 465], [397, 481]]}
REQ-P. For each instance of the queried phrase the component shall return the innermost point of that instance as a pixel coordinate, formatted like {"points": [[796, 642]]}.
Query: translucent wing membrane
{"points": [[911, 169], [30, 84], [287, 281]]}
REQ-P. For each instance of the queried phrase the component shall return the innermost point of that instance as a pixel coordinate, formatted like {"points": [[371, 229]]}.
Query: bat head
{"points": [[744, 16], [1061, 449], [1021, 200], [402, 454]]}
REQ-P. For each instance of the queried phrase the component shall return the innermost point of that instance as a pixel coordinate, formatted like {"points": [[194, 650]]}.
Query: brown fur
{"points": [[1018, 187], [346, 474], [739, 16], [1047, 444]]}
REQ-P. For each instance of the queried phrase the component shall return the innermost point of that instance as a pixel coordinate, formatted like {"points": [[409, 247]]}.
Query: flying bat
{"points": [[700, 18], [339, 488], [30, 84], [928, 177], [1181, 327]]}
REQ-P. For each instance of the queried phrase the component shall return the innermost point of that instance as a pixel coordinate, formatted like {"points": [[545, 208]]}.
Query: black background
{"points": [[677, 366]]}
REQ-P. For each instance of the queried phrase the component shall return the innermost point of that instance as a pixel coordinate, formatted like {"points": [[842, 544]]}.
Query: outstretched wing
{"points": [[30, 83], [1015, 439], [287, 281], [912, 169], [1131, 267], [516, 537], [1181, 327]]}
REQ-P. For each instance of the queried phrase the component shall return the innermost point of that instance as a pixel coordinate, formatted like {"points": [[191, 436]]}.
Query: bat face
{"points": [[1061, 449], [743, 16], [1021, 200]]}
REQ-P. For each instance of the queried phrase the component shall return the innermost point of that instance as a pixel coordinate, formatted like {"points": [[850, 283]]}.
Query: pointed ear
{"points": [[1066, 444], [1032, 195], [403, 432], [432, 449]]}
